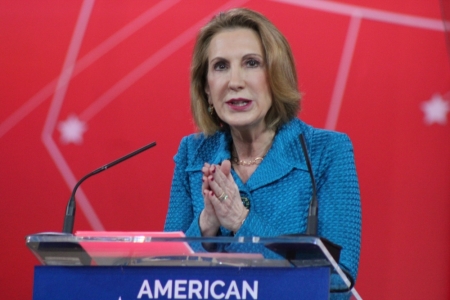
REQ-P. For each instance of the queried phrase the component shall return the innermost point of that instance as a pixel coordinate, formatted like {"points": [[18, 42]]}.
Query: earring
{"points": [[211, 109]]}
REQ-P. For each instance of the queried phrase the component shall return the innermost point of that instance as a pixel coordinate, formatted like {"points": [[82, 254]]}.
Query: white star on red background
{"points": [[72, 130], [436, 110]]}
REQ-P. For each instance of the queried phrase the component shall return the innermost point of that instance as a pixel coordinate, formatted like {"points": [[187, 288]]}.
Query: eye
{"points": [[253, 63], [220, 65]]}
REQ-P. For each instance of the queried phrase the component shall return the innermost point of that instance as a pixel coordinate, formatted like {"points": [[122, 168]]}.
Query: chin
{"points": [[243, 122], [242, 125]]}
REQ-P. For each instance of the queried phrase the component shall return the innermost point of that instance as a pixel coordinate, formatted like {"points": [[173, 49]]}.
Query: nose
{"points": [[236, 81]]}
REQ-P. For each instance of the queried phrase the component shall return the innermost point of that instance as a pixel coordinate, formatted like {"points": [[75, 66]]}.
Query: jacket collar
{"points": [[285, 154]]}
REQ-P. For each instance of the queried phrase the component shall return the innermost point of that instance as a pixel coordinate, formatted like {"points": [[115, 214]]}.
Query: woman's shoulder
{"points": [[198, 148], [330, 139], [201, 142], [192, 140], [314, 135], [319, 142]]}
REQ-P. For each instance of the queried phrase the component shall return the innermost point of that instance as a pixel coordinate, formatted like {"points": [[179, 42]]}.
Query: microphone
{"points": [[311, 226], [296, 252], [69, 219], [313, 212]]}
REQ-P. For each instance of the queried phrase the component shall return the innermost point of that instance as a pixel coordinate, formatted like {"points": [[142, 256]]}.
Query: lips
{"points": [[239, 101], [239, 104]]}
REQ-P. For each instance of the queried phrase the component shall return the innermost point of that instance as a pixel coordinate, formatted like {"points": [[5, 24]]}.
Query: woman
{"points": [[246, 175]]}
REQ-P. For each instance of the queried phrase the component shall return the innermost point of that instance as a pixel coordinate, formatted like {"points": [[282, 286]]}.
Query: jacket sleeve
{"points": [[339, 199], [180, 215]]}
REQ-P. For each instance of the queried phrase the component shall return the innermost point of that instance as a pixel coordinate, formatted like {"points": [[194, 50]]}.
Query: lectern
{"points": [[162, 266]]}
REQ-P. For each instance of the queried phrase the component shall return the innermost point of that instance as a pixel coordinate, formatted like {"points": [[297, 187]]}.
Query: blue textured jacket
{"points": [[280, 188]]}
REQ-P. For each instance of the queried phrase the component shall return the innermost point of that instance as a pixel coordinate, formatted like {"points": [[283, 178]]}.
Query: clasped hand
{"points": [[223, 205]]}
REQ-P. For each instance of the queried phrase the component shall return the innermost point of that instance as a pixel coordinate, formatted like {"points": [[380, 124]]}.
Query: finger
{"points": [[214, 186], [225, 167], [205, 169], [212, 169], [205, 183], [215, 170], [223, 196], [223, 179], [207, 200], [214, 200], [217, 195]]}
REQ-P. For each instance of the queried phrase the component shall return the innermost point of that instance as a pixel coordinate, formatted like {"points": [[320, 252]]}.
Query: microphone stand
{"points": [[69, 218]]}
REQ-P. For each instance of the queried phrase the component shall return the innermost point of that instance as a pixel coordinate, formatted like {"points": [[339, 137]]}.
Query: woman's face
{"points": [[237, 79]]}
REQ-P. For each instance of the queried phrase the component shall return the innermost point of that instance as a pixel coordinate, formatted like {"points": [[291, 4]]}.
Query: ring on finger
{"points": [[222, 196]]}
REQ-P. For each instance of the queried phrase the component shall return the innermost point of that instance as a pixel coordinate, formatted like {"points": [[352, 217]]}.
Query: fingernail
{"points": [[211, 178], [211, 194], [214, 169]]}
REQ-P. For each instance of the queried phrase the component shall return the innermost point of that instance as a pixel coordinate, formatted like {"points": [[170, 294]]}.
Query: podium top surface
{"points": [[173, 249], [114, 247], [149, 237]]}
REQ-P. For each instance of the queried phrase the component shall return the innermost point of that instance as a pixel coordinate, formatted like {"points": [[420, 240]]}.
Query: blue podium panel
{"points": [[126, 283]]}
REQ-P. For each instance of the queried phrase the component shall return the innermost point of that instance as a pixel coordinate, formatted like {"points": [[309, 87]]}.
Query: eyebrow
{"points": [[244, 57]]}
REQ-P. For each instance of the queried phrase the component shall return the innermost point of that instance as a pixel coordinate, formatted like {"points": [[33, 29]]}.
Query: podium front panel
{"points": [[134, 282]]}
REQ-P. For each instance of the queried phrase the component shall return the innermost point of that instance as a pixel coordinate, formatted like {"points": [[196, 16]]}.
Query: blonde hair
{"points": [[280, 66]]}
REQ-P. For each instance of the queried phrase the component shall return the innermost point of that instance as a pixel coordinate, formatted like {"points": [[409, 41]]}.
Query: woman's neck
{"points": [[251, 144], [248, 150]]}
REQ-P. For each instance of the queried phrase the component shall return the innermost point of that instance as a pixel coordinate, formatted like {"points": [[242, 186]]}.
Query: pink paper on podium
{"points": [[138, 247]]}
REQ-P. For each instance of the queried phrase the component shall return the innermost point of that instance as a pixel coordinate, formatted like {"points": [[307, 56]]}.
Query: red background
{"points": [[130, 85]]}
